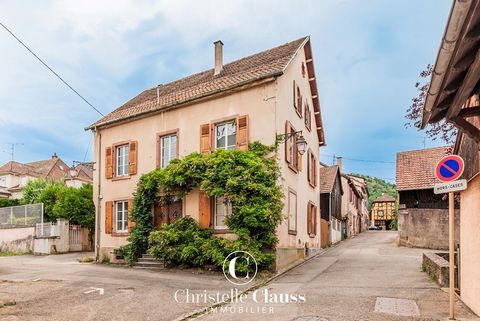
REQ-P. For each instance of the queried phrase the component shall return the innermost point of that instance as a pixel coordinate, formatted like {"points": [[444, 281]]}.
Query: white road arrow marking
{"points": [[92, 289]]}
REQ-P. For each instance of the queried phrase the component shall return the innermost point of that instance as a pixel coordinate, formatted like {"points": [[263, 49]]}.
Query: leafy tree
{"points": [[76, 205], [443, 130], [43, 191], [33, 189]]}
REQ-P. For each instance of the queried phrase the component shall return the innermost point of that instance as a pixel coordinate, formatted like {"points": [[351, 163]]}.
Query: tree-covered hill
{"points": [[377, 186]]}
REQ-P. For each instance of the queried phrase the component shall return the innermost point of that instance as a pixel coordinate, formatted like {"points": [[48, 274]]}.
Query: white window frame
{"points": [[227, 205], [121, 169], [123, 220], [166, 158], [225, 134]]}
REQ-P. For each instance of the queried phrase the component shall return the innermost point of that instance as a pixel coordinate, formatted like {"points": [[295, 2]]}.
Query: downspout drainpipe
{"points": [[99, 197], [330, 217]]}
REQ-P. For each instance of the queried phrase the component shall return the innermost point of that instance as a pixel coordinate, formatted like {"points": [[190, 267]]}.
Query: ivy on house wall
{"points": [[249, 179]]}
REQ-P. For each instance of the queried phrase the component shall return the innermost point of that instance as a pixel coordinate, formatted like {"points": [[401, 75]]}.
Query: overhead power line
{"points": [[49, 68], [360, 160]]}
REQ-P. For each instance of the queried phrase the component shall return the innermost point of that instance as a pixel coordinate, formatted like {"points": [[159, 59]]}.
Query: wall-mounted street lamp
{"points": [[298, 137]]}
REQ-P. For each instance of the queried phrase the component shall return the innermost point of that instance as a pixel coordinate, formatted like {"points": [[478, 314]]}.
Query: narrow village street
{"points": [[345, 283]]}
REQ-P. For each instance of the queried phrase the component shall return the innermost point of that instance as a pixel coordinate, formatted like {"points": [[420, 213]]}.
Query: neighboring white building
{"points": [[14, 175]]}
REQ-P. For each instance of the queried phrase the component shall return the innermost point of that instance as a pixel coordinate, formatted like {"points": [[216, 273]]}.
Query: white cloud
{"points": [[367, 57]]}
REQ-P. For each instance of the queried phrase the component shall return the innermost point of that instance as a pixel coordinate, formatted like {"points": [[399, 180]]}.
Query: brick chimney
{"points": [[218, 57], [339, 163]]}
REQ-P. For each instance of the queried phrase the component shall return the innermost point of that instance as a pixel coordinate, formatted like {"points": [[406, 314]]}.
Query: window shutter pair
{"points": [[242, 135], [110, 159], [109, 216]]}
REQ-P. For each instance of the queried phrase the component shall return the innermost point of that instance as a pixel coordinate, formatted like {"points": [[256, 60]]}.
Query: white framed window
{"points": [[3, 181], [226, 135], [168, 145], [292, 211], [122, 160], [222, 209], [121, 216]]}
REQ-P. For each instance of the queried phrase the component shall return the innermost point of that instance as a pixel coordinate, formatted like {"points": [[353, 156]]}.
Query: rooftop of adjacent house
{"points": [[327, 178], [416, 168], [262, 65], [42, 168], [384, 198]]}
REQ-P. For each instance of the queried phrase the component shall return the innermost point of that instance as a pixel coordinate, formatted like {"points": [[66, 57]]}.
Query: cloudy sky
{"points": [[367, 55]]}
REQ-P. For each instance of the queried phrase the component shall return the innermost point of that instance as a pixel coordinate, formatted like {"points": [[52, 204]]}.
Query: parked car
{"points": [[375, 228]]}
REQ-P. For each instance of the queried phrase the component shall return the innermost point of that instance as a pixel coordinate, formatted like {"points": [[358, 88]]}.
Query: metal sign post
{"points": [[448, 170], [451, 248]]}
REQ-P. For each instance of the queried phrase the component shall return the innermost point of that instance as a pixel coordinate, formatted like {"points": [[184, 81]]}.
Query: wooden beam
{"points": [[465, 90], [467, 128], [469, 112]]}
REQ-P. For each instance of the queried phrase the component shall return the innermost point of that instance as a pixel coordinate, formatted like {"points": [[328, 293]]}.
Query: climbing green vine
{"points": [[249, 179]]}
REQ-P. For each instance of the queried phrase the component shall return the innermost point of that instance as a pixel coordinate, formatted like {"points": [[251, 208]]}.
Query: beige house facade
{"points": [[252, 99]]}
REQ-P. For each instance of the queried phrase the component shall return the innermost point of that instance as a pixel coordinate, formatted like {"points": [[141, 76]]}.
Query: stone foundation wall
{"points": [[426, 228]]}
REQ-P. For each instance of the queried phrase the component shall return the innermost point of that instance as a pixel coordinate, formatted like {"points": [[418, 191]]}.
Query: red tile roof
{"points": [[416, 168], [18, 168], [384, 198], [327, 178], [268, 63], [53, 168]]}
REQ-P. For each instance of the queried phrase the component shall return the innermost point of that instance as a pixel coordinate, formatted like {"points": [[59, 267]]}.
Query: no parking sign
{"points": [[448, 169]]}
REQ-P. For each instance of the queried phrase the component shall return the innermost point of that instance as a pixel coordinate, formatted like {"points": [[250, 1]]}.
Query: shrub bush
{"points": [[249, 179]]}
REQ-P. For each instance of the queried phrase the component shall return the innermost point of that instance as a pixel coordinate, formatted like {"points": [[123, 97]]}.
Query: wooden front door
{"points": [[166, 214]]}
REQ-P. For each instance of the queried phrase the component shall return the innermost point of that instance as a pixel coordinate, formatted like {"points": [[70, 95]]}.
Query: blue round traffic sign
{"points": [[449, 168]]}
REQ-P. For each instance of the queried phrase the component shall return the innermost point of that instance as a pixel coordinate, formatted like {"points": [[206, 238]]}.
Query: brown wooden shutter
{"points": [[309, 167], [108, 162], [130, 209], [294, 95], [315, 174], [108, 217], [288, 129], [309, 218], [242, 132], [204, 210], [132, 157], [315, 218], [205, 138]]}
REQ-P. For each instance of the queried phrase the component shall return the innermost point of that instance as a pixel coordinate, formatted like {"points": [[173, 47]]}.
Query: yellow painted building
{"points": [[382, 212]]}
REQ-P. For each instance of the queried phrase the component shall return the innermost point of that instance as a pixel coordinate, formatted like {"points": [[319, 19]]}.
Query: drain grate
{"points": [[395, 306]]}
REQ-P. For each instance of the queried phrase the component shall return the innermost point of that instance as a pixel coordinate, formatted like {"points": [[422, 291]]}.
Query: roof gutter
{"points": [[451, 35]]}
